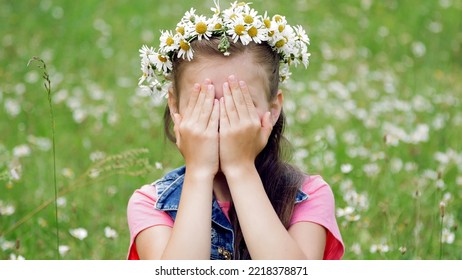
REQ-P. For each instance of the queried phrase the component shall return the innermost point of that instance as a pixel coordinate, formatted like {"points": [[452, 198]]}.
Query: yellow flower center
{"points": [[280, 43], [201, 27], [239, 29], [162, 58], [218, 26], [233, 16], [281, 28], [248, 19], [180, 30], [277, 18], [267, 23], [169, 41], [253, 31], [184, 45], [271, 33]]}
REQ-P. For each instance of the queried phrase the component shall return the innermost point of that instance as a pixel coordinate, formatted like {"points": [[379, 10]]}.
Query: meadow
{"points": [[378, 113]]}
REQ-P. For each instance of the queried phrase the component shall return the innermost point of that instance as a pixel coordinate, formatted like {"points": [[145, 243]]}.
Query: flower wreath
{"points": [[239, 22]]}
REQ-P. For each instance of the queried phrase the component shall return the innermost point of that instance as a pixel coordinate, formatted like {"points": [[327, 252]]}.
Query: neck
{"points": [[220, 188]]}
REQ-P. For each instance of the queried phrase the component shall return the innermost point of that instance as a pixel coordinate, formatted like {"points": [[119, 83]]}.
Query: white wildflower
{"points": [[379, 248], [158, 165], [346, 168], [63, 250], [110, 233], [79, 233], [16, 257], [447, 236], [61, 201], [21, 151]]}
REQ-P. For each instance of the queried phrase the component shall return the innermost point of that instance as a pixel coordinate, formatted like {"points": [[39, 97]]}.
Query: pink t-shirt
{"points": [[319, 208]]}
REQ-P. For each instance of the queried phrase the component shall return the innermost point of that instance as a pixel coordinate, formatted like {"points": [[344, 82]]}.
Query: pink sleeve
{"points": [[141, 215], [319, 208]]}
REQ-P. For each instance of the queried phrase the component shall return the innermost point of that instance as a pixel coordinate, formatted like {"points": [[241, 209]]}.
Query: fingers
{"points": [[176, 127], [266, 125], [192, 100], [214, 117], [224, 120], [229, 105], [207, 107], [249, 106], [238, 98]]}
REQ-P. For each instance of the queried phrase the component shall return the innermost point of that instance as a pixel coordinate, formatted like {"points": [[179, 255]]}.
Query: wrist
{"points": [[239, 170], [200, 174]]}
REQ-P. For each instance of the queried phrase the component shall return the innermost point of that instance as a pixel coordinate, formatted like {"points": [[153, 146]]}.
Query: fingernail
{"points": [[197, 86], [232, 78], [225, 85], [242, 83], [210, 87]]}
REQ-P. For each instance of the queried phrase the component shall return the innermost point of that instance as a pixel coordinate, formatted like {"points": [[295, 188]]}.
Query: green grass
{"points": [[375, 70]]}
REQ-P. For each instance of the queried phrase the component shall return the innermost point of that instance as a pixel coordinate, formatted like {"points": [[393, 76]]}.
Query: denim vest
{"points": [[222, 238]]}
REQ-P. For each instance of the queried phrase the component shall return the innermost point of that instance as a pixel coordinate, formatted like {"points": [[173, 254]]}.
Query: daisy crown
{"points": [[239, 22]]}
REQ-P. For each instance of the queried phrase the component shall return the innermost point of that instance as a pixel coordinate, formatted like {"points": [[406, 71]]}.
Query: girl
{"points": [[235, 198]]}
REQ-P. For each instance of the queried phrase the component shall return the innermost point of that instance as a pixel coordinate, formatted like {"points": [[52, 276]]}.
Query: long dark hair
{"points": [[280, 179]]}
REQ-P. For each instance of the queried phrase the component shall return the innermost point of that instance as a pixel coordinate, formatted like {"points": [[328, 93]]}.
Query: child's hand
{"points": [[243, 135], [196, 131]]}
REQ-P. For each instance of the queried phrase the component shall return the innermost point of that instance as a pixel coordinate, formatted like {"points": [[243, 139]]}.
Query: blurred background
{"points": [[377, 114]]}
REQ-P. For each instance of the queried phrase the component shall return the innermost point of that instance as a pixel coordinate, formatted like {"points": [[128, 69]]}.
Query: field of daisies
{"points": [[378, 113]]}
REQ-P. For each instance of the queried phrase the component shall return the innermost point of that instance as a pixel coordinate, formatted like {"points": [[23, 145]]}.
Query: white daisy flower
{"points": [[145, 51], [185, 52], [284, 72], [189, 17], [216, 22], [216, 10], [167, 42], [300, 34], [162, 63], [238, 31], [201, 28], [148, 71]]}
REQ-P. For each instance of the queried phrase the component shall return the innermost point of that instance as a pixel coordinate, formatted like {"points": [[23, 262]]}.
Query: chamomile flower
{"points": [[145, 51], [250, 16], [238, 31], [300, 34], [216, 10], [189, 17], [168, 42], [147, 70], [216, 22], [185, 52], [162, 62], [202, 28], [257, 32]]}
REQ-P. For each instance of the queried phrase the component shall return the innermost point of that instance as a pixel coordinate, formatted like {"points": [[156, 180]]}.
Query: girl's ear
{"points": [[276, 106], [172, 101]]}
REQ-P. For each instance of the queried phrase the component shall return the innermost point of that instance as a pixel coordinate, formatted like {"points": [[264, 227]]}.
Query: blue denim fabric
{"points": [[222, 238]]}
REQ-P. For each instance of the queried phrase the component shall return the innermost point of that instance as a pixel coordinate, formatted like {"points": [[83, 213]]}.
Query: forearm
{"points": [[190, 238], [265, 235]]}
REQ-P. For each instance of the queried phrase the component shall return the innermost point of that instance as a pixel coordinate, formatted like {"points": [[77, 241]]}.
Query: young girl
{"points": [[235, 198]]}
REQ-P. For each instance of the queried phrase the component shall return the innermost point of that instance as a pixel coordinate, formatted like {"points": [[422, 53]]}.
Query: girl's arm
{"points": [[197, 139], [264, 234], [242, 136]]}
